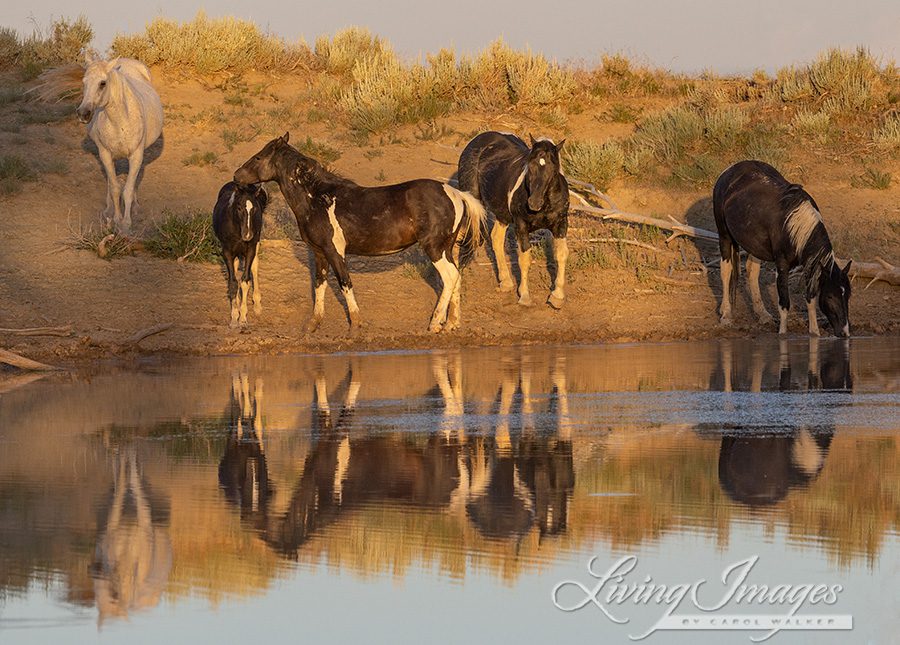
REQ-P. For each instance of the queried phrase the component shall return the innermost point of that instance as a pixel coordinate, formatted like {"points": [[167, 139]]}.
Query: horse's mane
{"points": [[318, 178], [59, 83], [793, 195]]}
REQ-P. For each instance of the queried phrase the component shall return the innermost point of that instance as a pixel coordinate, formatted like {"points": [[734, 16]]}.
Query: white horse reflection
{"points": [[133, 557]]}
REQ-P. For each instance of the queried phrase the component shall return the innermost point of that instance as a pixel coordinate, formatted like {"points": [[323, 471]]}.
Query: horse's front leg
{"points": [[450, 278], [245, 282], [784, 299], [524, 243], [112, 185], [135, 159], [320, 275], [753, 268], [560, 254], [231, 266]]}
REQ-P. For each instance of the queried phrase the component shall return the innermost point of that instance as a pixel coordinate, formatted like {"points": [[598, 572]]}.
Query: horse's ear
{"points": [[286, 137], [531, 139], [89, 56], [846, 269], [560, 145]]}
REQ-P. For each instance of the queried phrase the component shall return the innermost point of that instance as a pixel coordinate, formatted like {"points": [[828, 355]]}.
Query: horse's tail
{"points": [[59, 83], [473, 227]]}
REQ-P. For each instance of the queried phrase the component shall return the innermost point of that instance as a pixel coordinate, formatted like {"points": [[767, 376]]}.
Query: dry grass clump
{"points": [[815, 125], [62, 43], [838, 80], [212, 45], [14, 173], [339, 54], [595, 163], [105, 242], [185, 237], [887, 135]]}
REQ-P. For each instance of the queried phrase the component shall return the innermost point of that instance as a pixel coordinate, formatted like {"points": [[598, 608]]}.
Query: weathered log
{"points": [[10, 358], [38, 331], [880, 269]]}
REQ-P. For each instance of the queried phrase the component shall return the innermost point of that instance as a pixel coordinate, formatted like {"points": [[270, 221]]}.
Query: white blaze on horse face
{"points": [[543, 162], [800, 224], [515, 187], [249, 208], [458, 206], [337, 233]]}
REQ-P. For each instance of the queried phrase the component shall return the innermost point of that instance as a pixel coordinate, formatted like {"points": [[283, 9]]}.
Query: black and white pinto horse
{"points": [[776, 221], [522, 187], [237, 222], [337, 217]]}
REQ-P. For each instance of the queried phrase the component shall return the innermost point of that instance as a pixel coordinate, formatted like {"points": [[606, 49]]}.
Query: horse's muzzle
{"points": [[84, 115]]}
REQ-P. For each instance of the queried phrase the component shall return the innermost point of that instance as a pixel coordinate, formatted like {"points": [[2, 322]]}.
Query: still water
{"points": [[455, 496]]}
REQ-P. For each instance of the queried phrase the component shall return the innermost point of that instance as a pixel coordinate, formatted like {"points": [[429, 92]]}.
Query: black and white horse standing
{"points": [[776, 221], [524, 188], [237, 222], [338, 217]]}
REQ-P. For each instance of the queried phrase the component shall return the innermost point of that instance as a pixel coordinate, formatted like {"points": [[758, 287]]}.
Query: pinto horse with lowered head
{"points": [[776, 221], [337, 217], [524, 188]]}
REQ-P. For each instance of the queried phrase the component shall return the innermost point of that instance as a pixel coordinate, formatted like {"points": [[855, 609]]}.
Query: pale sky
{"points": [[726, 36]]}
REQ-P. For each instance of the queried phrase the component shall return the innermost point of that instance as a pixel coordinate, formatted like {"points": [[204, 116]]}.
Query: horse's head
{"points": [[250, 210], [542, 169], [95, 91], [261, 166], [834, 298]]}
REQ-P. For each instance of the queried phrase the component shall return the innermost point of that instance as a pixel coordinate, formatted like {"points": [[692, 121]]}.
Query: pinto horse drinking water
{"points": [[524, 188], [338, 217], [776, 221]]}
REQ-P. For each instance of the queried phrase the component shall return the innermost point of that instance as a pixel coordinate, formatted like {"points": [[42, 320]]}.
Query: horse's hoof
{"points": [[555, 302], [506, 287], [435, 327], [526, 301], [726, 321], [313, 325], [451, 326], [257, 309], [233, 324]]}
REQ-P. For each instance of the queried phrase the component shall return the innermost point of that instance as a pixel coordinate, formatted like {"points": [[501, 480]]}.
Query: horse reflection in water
{"points": [[504, 483], [344, 472], [133, 557], [516, 480], [243, 473], [761, 470]]}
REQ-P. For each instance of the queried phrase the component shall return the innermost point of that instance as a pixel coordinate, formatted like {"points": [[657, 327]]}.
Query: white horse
{"points": [[124, 116]]}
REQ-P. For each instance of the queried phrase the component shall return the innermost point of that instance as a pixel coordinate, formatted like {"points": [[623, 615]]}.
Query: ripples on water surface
{"points": [[441, 496]]}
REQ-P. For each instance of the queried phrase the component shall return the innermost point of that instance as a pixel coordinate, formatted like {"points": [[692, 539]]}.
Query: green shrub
{"points": [[872, 178], [14, 171], [670, 133], [185, 237], [815, 125]]}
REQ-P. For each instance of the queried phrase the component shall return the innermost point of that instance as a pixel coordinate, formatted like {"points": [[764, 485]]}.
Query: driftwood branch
{"points": [[880, 269], [678, 229], [38, 331], [10, 358], [134, 340]]}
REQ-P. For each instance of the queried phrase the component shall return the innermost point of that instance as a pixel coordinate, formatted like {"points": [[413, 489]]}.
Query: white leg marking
{"points": [[254, 274], [319, 308], [236, 300], [561, 254], [498, 242], [725, 269], [134, 166], [813, 319], [340, 473], [516, 187], [352, 307], [449, 276], [337, 235], [524, 265], [783, 323], [753, 267], [322, 395]]}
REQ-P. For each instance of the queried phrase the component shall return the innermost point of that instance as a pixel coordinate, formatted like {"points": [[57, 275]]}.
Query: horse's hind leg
{"points": [[450, 277], [727, 267], [134, 167], [339, 264], [112, 184], [498, 243], [753, 267], [453, 311]]}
